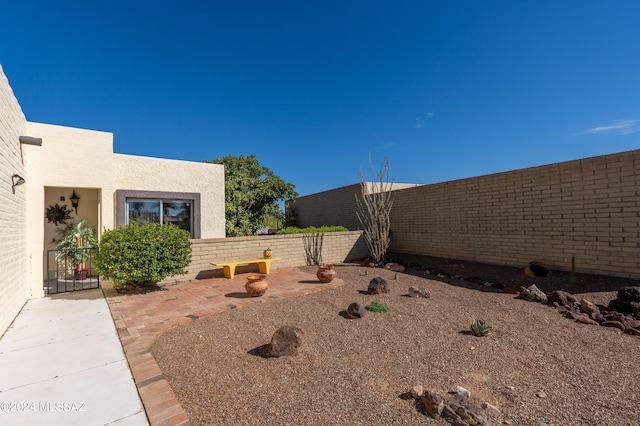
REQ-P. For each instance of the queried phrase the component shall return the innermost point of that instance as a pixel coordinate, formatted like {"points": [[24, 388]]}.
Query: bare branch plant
{"points": [[374, 210], [313, 248]]}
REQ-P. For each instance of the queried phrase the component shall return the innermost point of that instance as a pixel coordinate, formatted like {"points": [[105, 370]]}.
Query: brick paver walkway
{"points": [[140, 319]]}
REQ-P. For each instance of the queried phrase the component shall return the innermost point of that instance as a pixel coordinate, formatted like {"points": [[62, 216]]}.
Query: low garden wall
{"points": [[292, 249]]}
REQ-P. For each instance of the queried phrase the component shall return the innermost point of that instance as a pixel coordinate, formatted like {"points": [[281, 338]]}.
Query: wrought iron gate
{"points": [[65, 274]]}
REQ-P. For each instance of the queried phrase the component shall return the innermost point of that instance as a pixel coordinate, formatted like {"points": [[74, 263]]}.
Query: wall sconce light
{"points": [[16, 180], [74, 201]]}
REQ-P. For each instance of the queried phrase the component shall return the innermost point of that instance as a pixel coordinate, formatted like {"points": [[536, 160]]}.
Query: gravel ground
{"points": [[358, 371]]}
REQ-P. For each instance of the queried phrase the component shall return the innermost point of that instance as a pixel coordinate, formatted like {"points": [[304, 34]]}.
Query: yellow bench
{"points": [[230, 267]]}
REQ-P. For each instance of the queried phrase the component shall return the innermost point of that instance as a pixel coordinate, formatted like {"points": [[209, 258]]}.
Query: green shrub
{"points": [[480, 328], [136, 254], [312, 230], [377, 307]]}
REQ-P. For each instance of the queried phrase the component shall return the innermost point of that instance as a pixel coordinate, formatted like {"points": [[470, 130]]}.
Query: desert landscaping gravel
{"points": [[536, 366]]}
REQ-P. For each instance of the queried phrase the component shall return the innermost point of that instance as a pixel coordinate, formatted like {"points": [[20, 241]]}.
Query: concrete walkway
{"points": [[62, 363]]}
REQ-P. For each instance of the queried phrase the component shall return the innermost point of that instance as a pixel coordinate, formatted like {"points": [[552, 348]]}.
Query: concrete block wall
{"points": [[336, 207], [588, 208], [331, 208], [14, 290], [336, 247]]}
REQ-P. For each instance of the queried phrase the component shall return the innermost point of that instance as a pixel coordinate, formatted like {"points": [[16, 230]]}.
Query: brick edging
{"points": [[137, 334]]}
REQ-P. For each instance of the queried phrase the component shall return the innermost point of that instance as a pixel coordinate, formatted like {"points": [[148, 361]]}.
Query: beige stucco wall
{"points": [[14, 288], [83, 161], [157, 174], [69, 159]]}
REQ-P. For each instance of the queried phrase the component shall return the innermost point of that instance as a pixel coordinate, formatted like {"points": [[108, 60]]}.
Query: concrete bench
{"points": [[264, 265]]}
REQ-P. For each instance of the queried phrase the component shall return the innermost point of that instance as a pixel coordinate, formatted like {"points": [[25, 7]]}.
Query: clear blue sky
{"points": [[444, 89]]}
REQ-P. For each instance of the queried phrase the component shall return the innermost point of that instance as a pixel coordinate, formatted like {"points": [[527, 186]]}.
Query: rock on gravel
{"points": [[286, 341], [354, 372], [355, 310], [419, 292], [378, 285]]}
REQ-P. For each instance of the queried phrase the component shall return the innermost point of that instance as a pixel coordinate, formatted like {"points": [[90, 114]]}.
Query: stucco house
{"points": [[43, 166]]}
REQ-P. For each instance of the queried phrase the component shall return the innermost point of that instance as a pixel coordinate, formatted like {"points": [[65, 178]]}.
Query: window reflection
{"points": [[177, 212]]}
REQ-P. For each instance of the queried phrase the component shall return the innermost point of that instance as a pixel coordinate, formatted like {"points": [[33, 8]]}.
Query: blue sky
{"points": [[444, 89]]}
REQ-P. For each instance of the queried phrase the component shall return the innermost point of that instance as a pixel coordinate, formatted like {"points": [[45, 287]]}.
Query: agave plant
{"points": [[480, 328]]}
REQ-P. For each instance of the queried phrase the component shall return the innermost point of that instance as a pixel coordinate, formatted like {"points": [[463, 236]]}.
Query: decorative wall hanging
{"points": [[57, 214]]}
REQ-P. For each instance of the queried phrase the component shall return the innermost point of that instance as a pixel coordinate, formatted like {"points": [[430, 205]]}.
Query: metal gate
{"points": [[65, 273]]}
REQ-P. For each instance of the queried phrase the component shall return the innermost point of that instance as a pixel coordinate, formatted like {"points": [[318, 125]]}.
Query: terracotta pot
{"points": [[326, 273], [256, 285], [267, 254], [81, 274]]}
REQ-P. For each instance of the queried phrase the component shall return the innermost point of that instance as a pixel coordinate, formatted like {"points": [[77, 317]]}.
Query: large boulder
{"points": [[286, 341], [628, 301], [355, 310], [377, 285], [629, 293]]}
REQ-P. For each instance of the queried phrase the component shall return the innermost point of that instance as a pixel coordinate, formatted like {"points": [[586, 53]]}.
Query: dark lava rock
{"points": [[377, 285], [624, 306], [629, 293], [628, 301], [355, 310], [539, 269]]}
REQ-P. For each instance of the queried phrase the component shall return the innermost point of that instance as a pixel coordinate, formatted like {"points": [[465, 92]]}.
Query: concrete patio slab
{"points": [[61, 362]]}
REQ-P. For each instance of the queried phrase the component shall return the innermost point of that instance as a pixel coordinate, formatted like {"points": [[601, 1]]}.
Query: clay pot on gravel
{"points": [[256, 285], [326, 273]]}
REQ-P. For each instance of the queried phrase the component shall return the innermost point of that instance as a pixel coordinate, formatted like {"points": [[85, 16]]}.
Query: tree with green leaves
{"points": [[252, 194]]}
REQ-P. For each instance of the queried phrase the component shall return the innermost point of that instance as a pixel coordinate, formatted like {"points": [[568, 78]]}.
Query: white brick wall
{"points": [[13, 245]]}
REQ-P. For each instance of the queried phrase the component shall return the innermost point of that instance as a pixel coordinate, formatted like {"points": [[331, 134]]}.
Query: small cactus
{"points": [[480, 328]]}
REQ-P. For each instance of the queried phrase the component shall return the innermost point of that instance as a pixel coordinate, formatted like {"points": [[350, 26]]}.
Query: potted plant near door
{"points": [[76, 240]]}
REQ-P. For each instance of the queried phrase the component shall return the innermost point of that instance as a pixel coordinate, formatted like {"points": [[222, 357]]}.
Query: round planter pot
{"points": [[256, 285], [81, 274], [326, 273]]}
